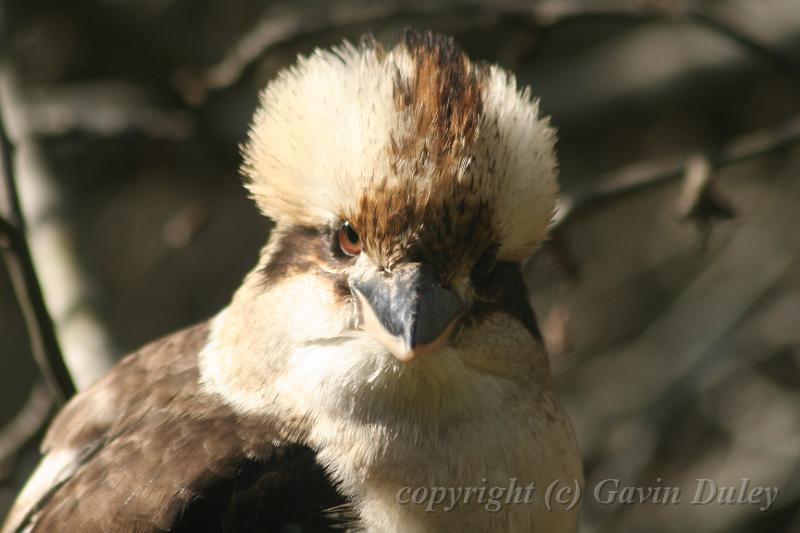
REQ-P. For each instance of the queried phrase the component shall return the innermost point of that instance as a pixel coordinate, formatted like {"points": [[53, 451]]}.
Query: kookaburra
{"points": [[382, 349]]}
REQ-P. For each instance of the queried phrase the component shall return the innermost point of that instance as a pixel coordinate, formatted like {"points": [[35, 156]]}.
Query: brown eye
{"points": [[485, 264], [349, 241]]}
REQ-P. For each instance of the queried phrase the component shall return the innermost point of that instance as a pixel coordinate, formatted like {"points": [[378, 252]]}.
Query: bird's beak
{"points": [[408, 311]]}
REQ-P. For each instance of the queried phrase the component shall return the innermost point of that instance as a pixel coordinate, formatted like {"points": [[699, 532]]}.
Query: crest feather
{"points": [[421, 119]]}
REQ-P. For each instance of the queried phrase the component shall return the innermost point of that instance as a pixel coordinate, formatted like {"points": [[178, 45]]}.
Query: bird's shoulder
{"points": [[155, 377], [146, 449]]}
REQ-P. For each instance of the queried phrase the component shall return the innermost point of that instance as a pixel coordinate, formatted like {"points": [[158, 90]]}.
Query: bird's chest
{"points": [[480, 476]]}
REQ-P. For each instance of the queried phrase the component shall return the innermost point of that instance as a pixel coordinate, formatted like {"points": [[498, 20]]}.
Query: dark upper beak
{"points": [[408, 310]]}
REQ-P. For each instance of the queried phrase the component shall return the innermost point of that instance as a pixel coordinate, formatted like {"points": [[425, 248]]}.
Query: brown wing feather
{"points": [[162, 455]]}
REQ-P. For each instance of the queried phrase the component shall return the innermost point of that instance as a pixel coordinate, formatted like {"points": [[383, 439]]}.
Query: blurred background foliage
{"points": [[673, 327]]}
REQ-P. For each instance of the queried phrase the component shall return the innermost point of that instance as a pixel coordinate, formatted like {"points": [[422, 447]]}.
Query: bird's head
{"points": [[414, 170], [407, 185]]}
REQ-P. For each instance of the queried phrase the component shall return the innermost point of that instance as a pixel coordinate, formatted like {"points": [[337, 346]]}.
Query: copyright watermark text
{"points": [[565, 495]]}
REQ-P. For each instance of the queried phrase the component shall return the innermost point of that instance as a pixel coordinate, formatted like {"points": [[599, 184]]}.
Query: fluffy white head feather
{"points": [[344, 123]]}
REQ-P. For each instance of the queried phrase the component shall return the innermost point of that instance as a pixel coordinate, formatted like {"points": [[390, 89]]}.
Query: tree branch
{"points": [[645, 174], [283, 28], [768, 54], [44, 344], [86, 347]]}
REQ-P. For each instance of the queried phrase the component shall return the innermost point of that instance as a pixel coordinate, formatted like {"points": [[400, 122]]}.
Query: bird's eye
{"points": [[485, 264], [349, 241]]}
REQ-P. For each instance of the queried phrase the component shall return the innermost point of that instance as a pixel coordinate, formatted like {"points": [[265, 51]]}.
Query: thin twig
{"points": [[44, 343], [286, 28], [65, 286], [24, 426], [103, 109], [10, 207], [645, 174], [784, 62], [272, 30]]}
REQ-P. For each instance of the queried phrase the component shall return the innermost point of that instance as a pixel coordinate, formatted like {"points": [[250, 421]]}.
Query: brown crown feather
{"points": [[430, 213]]}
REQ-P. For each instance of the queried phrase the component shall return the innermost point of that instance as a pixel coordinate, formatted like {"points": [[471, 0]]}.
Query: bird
{"points": [[380, 368]]}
